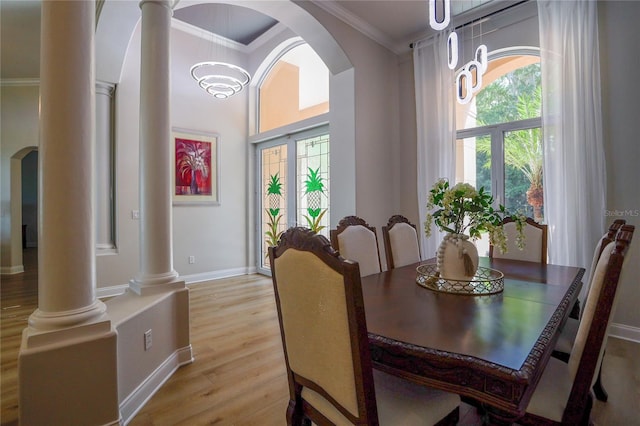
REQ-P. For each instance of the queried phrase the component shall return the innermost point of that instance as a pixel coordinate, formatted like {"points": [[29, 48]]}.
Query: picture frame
{"points": [[195, 175]]}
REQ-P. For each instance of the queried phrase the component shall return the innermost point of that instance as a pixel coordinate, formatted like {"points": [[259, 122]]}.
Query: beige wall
{"points": [[619, 60]]}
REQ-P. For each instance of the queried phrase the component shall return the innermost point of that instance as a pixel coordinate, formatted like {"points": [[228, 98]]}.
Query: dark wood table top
{"points": [[491, 348]]}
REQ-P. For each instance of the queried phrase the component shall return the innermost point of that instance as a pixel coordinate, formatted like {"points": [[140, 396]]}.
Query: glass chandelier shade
{"points": [[452, 47], [220, 79], [469, 78], [434, 6]]}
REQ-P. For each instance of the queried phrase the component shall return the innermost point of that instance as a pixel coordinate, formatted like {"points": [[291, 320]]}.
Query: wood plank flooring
{"points": [[238, 376]]}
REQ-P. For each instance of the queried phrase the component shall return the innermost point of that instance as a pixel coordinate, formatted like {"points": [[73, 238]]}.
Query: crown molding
{"points": [[357, 23], [267, 36], [209, 36]]}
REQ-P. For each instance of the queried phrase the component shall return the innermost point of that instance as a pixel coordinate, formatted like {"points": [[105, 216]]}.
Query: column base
{"points": [[150, 284], [49, 321], [69, 376]]}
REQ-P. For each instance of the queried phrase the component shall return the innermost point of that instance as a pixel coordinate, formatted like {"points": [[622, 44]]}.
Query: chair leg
{"points": [[598, 388]]}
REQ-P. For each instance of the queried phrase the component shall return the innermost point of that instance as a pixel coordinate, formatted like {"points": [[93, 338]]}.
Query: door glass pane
{"points": [[523, 186], [274, 197], [313, 184]]}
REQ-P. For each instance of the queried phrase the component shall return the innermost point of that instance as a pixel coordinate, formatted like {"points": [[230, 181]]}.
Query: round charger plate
{"points": [[486, 281]]}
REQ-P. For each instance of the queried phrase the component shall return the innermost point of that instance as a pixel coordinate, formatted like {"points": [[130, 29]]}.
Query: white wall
{"points": [[619, 64]]}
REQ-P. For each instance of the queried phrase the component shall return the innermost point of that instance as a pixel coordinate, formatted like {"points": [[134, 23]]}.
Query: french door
{"points": [[293, 187]]}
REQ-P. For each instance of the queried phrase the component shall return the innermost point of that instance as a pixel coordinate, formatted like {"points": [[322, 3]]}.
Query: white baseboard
{"points": [[130, 406], [216, 275], [10, 270], [116, 290], [626, 332]]}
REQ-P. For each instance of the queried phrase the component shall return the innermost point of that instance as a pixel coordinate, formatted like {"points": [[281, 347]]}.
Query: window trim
{"points": [[496, 133]]}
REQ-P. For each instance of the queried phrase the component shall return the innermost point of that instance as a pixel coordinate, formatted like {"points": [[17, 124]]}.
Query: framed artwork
{"points": [[196, 167]]}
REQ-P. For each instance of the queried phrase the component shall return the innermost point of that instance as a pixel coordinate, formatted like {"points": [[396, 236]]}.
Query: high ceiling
{"points": [[239, 24], [392, 23]]}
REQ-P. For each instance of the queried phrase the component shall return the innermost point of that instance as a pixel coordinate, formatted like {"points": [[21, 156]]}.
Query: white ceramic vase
{"points": [[457, 258]]}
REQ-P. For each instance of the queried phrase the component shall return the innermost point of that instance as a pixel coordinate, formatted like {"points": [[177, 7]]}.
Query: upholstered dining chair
{"points": [[356, 240], [324, 334], [568, 333], [563, 395], [400, 242], [535, 239]]}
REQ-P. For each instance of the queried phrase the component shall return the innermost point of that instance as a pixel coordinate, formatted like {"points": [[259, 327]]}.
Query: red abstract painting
{"points": [[193, 174]]}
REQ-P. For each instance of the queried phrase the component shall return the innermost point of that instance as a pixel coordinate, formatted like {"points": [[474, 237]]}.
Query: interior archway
{"points": [[15, 251]]}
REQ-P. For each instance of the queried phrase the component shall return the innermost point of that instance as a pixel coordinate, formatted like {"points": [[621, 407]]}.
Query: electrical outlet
{"points": [[147, 340], [192, 260]]}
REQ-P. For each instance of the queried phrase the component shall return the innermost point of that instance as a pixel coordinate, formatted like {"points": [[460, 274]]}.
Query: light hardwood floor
{"points": [[238, 376]]}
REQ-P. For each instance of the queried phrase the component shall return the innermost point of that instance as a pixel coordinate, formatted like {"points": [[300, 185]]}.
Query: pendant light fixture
{"points": [[219, 78], [469, 78]]}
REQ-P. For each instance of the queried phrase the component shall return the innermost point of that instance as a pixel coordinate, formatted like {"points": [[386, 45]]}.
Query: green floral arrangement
{"points": [[463, 210]]}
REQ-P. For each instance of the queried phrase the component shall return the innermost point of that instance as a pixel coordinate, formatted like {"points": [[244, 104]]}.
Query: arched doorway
{"points": [[15, 260]]}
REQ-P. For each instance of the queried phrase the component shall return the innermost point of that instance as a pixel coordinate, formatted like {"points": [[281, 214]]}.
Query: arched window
{"points": [[499, 134], [296, 88]]}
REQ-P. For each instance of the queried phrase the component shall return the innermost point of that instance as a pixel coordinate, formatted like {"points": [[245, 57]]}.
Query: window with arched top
{"points": [[499, 134], [296, 88]]}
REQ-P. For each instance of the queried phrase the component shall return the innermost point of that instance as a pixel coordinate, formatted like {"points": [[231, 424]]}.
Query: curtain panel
{"points": [[435, 118], [574, 161]]}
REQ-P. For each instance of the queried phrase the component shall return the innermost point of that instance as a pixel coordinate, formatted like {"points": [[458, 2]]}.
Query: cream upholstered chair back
{"points": [[321, 315], [400, 242], [608, 237], [535, 240], [588, 347], [356, 240]]}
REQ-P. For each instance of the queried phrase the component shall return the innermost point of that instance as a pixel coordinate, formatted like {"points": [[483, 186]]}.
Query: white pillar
{"points": [[66, 233], [156, 251], [67, 368]]}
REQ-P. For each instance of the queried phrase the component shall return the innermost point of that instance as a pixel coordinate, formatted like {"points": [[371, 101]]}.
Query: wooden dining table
{"points": [[490, 349]]}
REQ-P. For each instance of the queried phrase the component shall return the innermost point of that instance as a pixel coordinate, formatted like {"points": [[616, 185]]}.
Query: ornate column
{"points": [[69, 335], [156, 250]]}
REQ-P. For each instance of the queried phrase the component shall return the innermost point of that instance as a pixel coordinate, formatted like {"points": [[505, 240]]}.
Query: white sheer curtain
{"points": [[435, 119], [574, 162]]}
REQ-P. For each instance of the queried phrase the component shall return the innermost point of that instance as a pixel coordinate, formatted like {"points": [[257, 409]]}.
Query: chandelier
{"points": [[220, 79], [469, 79]]}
